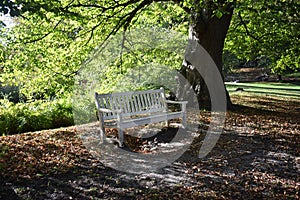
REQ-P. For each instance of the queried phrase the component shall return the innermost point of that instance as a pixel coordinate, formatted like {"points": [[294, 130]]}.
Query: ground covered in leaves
{"points": [[257, 156]]}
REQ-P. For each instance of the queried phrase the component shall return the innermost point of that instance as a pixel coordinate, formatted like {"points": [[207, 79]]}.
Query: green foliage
{"points": [[287, 64], [43, 53], [158, 15], [258, 28], [44, 69], [34, 116], [266, 28]]}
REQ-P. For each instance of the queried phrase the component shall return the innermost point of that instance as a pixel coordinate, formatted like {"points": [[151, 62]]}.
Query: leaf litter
{"points": [[257, 156]]}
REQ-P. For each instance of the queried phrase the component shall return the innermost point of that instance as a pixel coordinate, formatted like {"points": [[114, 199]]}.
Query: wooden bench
{"points": [[129, 109]]}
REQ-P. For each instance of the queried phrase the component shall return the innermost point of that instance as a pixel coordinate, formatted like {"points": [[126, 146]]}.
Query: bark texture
{"points": [[210, 31]]}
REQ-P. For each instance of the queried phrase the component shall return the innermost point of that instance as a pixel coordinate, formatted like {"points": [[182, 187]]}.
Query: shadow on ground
{"points": [[241, 166]]}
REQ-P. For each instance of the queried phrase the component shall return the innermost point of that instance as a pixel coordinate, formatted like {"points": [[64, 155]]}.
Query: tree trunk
{"points": [[210, 32]]}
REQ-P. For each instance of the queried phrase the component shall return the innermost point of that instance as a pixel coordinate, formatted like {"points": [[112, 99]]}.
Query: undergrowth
{"points": [[34, 116]]}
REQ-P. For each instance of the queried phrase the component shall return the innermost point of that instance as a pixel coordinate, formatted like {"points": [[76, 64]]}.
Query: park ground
{"points": [[256, 157]]}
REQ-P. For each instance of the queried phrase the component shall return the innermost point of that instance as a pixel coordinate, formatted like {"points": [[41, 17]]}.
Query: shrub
{"points": [[34, 116]]}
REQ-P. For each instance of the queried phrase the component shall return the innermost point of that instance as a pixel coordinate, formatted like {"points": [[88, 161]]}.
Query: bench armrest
{"points": [[182, 104], [105, 110], [177, 102]]}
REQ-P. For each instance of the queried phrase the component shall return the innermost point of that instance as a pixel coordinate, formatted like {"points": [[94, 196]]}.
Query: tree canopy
{"points": [[54, 37], [269, 29]]}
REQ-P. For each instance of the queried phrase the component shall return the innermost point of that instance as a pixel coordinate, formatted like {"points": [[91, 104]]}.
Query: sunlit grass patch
{"points": [[265, 88]]}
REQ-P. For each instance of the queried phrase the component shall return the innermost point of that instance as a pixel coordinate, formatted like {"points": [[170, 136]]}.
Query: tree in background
{"points": [[266, 29], [39, 59]]}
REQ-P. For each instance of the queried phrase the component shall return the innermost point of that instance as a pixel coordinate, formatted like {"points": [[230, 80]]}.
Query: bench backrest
{"points": [[132, 103]]}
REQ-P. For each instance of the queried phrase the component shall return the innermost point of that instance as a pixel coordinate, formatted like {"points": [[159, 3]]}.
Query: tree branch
{"points": [[246, 28], [40, 38], [127, 11], [103, 8], [132, 14], [124, 21]]}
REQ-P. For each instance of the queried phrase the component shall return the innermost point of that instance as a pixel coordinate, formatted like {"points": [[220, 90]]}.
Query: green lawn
{"points": [[267, 88]]}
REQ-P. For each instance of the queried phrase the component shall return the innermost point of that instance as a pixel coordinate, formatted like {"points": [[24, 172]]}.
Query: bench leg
{"points": [[121, 137], [184, 121], [183, 108], [102, 135], [102, 131], [120, 130], [167, 123]]}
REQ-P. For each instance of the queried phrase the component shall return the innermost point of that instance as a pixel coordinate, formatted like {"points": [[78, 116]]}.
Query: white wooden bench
{"points": [[129, 109]]}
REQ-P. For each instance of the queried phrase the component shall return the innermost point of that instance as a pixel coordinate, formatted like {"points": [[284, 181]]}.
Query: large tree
{"points": [[209, 21]]}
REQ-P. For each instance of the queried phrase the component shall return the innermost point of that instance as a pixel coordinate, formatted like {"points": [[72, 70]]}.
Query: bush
{"points": [[34, 116]]}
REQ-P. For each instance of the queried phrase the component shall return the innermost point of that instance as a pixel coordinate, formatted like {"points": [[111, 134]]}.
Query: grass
{"points": [[266, 88]]}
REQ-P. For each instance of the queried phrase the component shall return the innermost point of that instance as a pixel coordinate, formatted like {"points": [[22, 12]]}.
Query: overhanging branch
{"points": [[45, 35], [246, 28], [124, 12]]}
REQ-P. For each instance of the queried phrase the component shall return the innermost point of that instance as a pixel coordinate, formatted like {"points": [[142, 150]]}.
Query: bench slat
{"points": [[128, 102], [141, 97], [145, 99], [136, 103], [150, 119]]}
